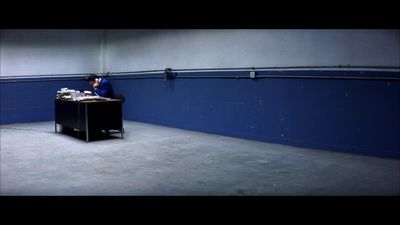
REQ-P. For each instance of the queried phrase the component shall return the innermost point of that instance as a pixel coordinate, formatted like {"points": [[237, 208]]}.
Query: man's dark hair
{"points": [[92, 77]]}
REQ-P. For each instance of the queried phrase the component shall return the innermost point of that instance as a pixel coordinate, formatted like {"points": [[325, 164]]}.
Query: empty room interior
{"points": [[200, 112]]}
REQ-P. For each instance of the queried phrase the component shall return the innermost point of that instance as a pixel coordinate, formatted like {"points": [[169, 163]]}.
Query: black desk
{"points": [[90, 115]]}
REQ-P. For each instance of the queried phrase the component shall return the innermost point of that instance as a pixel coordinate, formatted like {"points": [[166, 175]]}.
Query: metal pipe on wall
{"points": [[142, 74]]}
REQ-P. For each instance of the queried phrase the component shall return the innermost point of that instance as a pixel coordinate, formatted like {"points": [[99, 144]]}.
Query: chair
{"points": [[120, 96]]}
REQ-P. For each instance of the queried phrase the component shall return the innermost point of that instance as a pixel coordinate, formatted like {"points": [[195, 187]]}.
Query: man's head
{"points": [[92, 78]]}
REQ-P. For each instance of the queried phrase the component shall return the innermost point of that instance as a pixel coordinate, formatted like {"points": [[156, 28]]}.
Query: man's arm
{"points": [[104, 89]]}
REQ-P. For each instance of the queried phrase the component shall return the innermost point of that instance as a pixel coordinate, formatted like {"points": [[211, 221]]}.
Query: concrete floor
{"points": [[156, 160]]}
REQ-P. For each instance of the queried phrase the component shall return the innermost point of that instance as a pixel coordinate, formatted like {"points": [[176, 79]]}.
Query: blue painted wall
{"points": [[357, 116], [27, 101]]}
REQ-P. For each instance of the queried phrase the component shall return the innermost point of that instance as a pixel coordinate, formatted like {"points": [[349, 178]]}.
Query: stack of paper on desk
{"points": [[91, 98]]}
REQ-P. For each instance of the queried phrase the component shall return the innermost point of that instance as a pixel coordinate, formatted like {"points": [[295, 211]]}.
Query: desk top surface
{"points": [[90, 100]]}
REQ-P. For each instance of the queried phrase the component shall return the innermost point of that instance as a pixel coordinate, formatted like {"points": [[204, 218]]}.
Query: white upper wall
{"points": [[42, 52], [135, 50]]}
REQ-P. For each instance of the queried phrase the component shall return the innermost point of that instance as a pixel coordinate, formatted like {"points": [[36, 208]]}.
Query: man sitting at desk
{"points": [[101, 86]]}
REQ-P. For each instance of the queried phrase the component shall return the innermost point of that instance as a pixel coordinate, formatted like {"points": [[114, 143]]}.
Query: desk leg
{"points": [[87, 124], [122, 125], [55, 127]]}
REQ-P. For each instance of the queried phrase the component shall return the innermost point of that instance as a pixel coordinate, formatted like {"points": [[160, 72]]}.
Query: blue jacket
{"points": [[105, 89]]}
